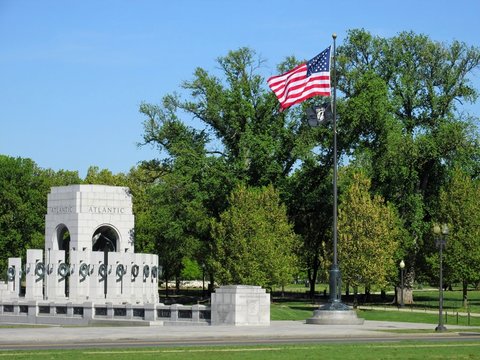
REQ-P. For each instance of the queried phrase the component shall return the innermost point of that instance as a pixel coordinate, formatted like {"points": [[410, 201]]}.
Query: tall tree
{"points": [[369, 236], [408, 130], [190, 189], [241, 136], [310, 207], [253, 240], [458, 207], [170, 226]]}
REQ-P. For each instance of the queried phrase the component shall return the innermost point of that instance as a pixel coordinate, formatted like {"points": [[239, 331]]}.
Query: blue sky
{"points": [[73, 73]]}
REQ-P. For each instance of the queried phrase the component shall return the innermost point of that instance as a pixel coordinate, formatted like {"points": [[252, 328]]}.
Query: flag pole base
{"points": [[335, 313]]}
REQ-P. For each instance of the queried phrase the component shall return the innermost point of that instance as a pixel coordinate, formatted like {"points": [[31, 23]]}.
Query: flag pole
{"points": [[335, 312], [335, 213], [335, 275]]}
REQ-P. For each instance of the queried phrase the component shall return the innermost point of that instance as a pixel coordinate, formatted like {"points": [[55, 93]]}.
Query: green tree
{"points": [[254, 242], [191, 270], [241, 137], [104, 177], [23, 203], [171, 226], [401, 120], [22, 207], [190, 188], [61, 177], [310, 207], [458, 207], [140, 180], [369, 235]]}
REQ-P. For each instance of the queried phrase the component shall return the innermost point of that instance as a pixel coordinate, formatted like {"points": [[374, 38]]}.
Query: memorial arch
{"points": [[89, 216]]}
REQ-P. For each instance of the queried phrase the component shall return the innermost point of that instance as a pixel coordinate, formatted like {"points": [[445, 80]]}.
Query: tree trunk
{"points": [[355, 297], [211, 285], [166, 284], [407, 295], [367, 294], [177, 285], [312, 277]]}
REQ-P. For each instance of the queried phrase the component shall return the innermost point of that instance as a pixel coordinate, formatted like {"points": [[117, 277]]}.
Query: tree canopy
{"points": [[23, 203], [401, 121], [369, 235], [458, 208], [254, 243]]}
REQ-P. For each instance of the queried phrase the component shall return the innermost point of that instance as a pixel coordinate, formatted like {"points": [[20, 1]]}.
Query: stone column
{"points": [[35, 273], [80, 277], [14, 277], [55, 283]]}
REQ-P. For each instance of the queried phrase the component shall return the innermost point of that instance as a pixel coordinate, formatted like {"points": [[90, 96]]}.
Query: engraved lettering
{"points": [[106, 210], [60, 209]]}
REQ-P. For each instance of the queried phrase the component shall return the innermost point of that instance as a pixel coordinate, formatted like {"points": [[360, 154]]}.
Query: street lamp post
{"points": [[440, 241], [402, 269]]}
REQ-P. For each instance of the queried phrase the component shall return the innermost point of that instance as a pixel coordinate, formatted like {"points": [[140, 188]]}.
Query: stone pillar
{"points": [[80, 276], [35, 273], [150, 282], [55, 283], [145, 272], [150, 312], [32, 311], [96, 286], [155, 295], [116, 280], [240, 305], [88, 310], [136, 273], [127, 280], [14, 276]]}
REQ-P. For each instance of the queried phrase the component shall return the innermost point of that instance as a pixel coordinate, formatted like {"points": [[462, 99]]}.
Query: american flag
{"points": [[304, 81]]}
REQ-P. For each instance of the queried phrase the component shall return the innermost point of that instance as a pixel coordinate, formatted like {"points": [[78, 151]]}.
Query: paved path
{"points": [[278, 331]]}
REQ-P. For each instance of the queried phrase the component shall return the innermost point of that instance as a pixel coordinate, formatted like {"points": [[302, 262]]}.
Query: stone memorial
{"points": [[89, 252], [88, 272]]}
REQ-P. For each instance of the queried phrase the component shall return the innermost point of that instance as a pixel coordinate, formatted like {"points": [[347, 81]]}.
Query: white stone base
{"points": [[335, 317], [240, 305]]}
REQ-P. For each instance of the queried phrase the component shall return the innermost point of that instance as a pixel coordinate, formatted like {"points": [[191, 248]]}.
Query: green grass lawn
{"points": [[452, 300], [417, 317], [295, 310], [303, 311], [423, 299], [396, 350]]}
